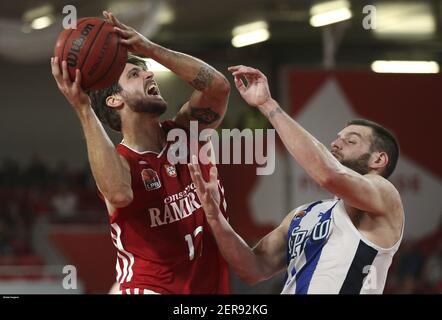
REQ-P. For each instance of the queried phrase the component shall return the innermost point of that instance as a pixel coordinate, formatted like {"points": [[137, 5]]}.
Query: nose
{"points": [[336, 144], [148, 75]]}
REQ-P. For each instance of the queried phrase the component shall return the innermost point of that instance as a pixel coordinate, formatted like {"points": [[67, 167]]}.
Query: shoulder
{"points": [[126, 154], [299, 212], [387, 194], [385, 187]]}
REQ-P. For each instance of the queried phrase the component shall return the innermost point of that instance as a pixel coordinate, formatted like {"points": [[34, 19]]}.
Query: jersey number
{"points": [[189, 240]]}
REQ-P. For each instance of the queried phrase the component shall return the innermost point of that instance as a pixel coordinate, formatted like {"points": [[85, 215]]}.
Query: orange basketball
{"points": [[95, 49]]}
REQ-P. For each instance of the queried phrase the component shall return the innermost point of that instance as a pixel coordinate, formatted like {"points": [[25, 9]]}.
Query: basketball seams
{"points": [[67, 40], [92, 53], [64, 45], [90, 46], [110, 67]]}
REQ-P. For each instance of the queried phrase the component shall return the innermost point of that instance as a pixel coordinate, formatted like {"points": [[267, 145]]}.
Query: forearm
{"points": [[200, 75], [111, 177], [310, 154], [240, 257]]}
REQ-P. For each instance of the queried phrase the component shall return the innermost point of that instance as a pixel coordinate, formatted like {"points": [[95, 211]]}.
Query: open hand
{"points": [[256, 92], [207, 192], [71, 90], [132, 39]]}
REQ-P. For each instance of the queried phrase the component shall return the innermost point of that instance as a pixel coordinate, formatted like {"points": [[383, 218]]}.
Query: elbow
{"points": [[325, 180], [328, 179], [222, 85], [121, 199], [250, 279], [225, 88], [253, 277]]}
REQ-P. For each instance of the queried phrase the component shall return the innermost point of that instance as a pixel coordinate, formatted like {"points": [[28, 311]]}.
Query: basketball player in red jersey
{"points": [[164, 244]]}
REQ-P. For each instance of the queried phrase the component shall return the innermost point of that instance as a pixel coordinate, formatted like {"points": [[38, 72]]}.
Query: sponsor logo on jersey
{"points": [[299, 238], [170, 170], [176, 207], [150, 179]]}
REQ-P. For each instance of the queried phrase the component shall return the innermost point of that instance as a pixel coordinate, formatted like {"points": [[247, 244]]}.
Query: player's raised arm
{"points": [[370, 193], [251, 265], [110, 171], [208, 102]]}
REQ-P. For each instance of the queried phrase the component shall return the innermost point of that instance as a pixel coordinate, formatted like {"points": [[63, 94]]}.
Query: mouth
{"points": [[336, 154], [151, 89]]}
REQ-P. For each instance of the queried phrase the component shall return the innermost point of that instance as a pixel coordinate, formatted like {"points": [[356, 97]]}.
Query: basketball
{"points": [[93, 48]]}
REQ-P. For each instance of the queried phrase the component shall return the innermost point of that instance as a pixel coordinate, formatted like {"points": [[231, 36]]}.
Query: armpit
{"points": [[204, 115]]}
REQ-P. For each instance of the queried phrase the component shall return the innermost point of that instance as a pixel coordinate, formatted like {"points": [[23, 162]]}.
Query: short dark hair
{"points": [[383, 140], [106, 114]]}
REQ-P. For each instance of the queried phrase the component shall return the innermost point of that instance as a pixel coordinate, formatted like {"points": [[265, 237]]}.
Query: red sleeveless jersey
{"points": [[163, 241]]}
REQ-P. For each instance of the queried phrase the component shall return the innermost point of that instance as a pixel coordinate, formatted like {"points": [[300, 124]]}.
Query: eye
{"points": [[351, 142]]}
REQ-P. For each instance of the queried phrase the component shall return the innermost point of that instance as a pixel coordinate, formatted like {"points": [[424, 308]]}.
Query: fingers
{"points": [[249, 73], [123, 33], [114, 20], [61, 76], [194, 160], [65, 73], [192, 173], [242, 69], [214, 175], [77, 82], [196, 165], [127, 42], [239, 84], [110, 17], [55, 67], [233, 68], [197, 179], [196, 174], [126, 36], [206, 197], [250, 78], [106, 16]]}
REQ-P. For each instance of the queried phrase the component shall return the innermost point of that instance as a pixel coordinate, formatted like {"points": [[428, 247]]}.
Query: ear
{"points": [[114, 101], [380, 160]]}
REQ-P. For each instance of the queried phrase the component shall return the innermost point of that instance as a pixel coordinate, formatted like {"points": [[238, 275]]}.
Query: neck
{"points": [[143, 133]]}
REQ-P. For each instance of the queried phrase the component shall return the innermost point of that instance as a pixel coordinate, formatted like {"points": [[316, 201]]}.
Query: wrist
{"points": [[149, 49], [214, 218], [268, 107], [212, 221], [84, 112]]}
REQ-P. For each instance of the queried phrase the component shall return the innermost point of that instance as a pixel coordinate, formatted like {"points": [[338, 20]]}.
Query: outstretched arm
{"points": [[110, 170], [252, 265], [370, 193], [208, 102]]}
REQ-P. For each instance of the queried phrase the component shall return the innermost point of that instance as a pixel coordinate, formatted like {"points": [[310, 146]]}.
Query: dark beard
{"points": [[140, 103], [360, 165]]}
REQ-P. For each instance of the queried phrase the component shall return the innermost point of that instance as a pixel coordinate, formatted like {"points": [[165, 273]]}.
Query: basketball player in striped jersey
{"points": [[158, 226], [342, 245]]}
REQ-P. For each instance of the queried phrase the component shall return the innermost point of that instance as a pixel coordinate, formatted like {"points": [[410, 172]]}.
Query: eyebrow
{"points": [[134, 68], [352, 133]]}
